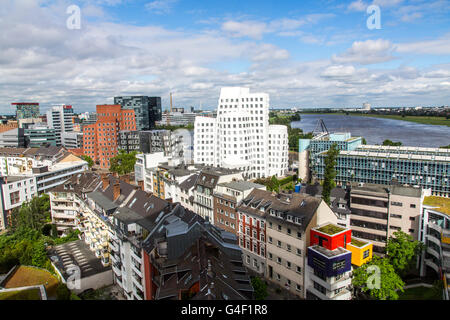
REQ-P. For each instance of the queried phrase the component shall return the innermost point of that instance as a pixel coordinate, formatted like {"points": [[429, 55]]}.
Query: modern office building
{"points": [[415, 166], [59, 118], [177, 118], [25, 110], [146, 109], [377, 211], [72, 140], [435, 235], [241, 137], [100, 139], [14, 138], [39, 135], [129, 141]]}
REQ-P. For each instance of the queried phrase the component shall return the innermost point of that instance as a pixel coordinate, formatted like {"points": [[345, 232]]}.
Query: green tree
{"points": [[88, 160], [385, 287], [260, 288], [388, 142], [402, 250], [33, 214], [62, 292], [330, 172], [364, 141], [123, 163], [274, 184]]}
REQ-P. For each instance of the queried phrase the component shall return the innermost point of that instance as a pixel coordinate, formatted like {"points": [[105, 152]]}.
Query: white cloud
{"points": [[436, 47], [251, 29], [161, 6], [358, 5], [367, 52]]}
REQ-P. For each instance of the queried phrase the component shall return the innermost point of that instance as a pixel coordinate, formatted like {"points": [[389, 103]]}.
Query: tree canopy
{"points": [[260, 288], [388, 142], [88, 160], [402, 250], [382, 285], [330, 172], [123, 163]]}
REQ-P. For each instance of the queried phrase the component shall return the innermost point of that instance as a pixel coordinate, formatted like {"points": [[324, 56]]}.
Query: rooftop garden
{"points": [[358, 243], [26, 294], [330, 229], [442, 204], [26, 276]]}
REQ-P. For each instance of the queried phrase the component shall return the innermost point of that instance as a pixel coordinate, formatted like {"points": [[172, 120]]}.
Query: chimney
{"points": [[126, 178], [141, 184], [105, 180], [116, 190]]}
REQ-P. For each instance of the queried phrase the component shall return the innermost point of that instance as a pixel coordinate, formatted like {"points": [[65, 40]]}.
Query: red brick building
{"points": [[100, 139]]}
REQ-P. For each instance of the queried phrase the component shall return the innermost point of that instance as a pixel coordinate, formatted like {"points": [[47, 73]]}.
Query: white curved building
{"points": [[241, 137]]}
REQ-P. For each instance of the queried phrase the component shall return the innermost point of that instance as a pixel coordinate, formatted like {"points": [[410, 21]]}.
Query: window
{"points": [[279, 243], [279, 228], [299, 235], [288, 264], [288, 231], [299, 252], [270, 239], [279, 260], [412, 205], [288, 247], [397, 204], [339, 265], [366, 254], [412, 218], [299, 269]]}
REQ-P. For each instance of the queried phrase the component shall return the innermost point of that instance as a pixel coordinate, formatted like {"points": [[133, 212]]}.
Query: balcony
{"points": [[345, 281], [136, 269], [137, 283], [117, 269], [433, 252], [345, 294]]}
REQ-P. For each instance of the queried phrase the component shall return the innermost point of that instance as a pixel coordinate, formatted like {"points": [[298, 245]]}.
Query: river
{"points": [[376, 130]]}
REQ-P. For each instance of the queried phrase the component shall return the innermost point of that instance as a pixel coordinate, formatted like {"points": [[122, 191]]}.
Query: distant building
{"points": [[72, 140], [25, 110], [366, 106], [38, 135], [175, 118], [415, 166], [59, 118], [146, 109], [14, 138], [241, 137], [100, 139]]}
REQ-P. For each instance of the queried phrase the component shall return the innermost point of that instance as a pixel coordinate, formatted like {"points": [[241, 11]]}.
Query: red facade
{"points": [[330, 242], [249, 224]]}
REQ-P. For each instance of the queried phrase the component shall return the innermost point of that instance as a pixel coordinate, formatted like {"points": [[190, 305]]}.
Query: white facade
{"points": [[59, 117], [72, 140], [239, 136]]}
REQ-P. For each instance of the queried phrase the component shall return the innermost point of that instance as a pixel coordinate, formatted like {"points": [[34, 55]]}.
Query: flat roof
{"points": [[76, 253], [441, 204]]}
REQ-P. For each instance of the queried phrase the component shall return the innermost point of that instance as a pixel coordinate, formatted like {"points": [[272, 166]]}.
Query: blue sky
{"points": [[303, 53]]}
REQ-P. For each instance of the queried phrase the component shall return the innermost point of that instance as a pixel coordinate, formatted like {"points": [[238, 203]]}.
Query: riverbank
{"points": [[440, 121]]}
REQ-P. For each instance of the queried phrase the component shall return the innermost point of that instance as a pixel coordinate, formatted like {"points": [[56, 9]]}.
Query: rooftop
{"points": [[242, 185], [76, 253], [358, 243], [330, 229], [441, 204]]}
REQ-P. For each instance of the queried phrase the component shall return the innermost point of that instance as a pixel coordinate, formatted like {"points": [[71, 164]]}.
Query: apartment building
{"points": [[186, 192], [59, 118], [435, 235], [100, 139], [187, 258], [205, 186], [377, 211], [227, 197], [330, 257], [289, 219], [241, 137], [145, 167], [15, 190]]}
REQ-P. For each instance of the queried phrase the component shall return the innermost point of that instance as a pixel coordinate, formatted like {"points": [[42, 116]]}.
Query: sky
{"points": [[304, 54]]}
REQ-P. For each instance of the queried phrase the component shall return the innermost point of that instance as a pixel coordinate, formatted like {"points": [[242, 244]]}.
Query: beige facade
{"points": [[286, 248]]}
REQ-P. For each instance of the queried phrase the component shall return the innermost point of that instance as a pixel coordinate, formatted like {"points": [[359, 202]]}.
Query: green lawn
{"points": [[441, 121], [420, 293], [30, 294]]}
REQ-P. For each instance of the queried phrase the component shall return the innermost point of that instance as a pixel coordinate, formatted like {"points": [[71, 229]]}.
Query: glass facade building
{"points": [[147, 110]]}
